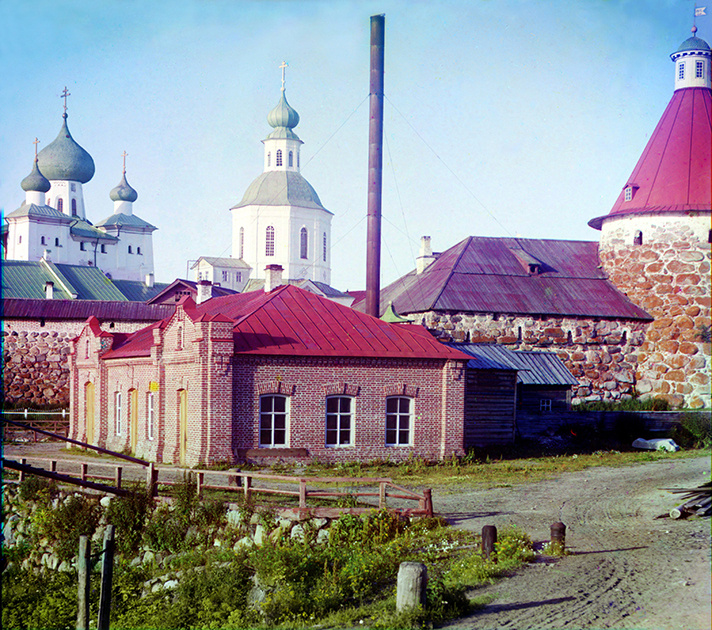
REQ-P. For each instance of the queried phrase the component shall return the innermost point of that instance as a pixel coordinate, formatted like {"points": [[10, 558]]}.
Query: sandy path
{"points": [[628, 569]]}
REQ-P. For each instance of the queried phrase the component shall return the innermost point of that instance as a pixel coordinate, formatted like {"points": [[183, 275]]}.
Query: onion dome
{"points": [[283, 118], [123, 192], [35, 181], [64, 159]]}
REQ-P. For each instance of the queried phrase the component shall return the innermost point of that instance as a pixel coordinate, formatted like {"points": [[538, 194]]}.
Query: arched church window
{"points": [[138, 251], [269, 241], [278, 158], [303, 242], [269, 158], [291, 159], [130, 250], [74, 207], [43, 241], [103, 248], [82, 246], [56, 242], [60, 205], [242, 243], [324, 248], [638, 238]]}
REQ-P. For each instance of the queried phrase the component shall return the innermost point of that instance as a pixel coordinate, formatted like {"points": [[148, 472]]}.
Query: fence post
{"points": [[85, 468], [428, 501], [53, 465], [381, 495], [558, 537], [248, 486], [201, 481], [151, 479], [302, 493], [411, 585], [23, 461], [107, 566], [84, 575], [117, 476], [489, 538]]}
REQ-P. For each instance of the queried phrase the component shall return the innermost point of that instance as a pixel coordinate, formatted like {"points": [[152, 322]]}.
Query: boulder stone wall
{"points": [[601, 354]]}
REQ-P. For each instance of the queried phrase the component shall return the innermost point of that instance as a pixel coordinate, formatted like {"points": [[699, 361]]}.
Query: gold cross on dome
{"points": [[35, 142], [284, 66], [64, 95], [124, 155]]}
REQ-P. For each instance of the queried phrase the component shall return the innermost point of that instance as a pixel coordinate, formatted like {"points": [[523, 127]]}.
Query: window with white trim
{"points": [[681, 70], [629, 193], [399, 421], [303, 243], [74, 207], [339, 412], [291, 159], [274, 419], [269, 241], [117, 413], [225, 276], [150, 417], [60, 204], [278, 158], [699, 69]]}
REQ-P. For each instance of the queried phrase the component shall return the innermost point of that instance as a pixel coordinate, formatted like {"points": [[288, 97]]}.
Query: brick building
{"points": [[281, 373]]}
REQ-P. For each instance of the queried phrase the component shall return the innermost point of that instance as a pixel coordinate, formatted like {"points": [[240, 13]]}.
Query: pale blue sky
{"points": [[502, 118]]}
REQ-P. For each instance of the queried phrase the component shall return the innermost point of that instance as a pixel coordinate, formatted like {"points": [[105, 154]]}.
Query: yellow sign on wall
{"points": [[152, 386]]}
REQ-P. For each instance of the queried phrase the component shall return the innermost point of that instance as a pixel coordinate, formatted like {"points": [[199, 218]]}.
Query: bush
{"points": [[694, 430], [129, 514], [38, 489]]}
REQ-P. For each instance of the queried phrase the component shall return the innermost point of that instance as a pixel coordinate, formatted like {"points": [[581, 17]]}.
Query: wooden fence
{"points": [[58, 426], [303, 492]]}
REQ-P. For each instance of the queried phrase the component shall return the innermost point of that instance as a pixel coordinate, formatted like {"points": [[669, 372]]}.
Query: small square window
{"points": [[545, 404]]}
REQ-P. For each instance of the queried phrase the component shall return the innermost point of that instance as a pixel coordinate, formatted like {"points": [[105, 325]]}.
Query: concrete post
{"points": [[412, 582]]}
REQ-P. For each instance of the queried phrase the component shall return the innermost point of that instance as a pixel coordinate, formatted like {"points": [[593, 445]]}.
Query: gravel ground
{"points": [[628, 569]]}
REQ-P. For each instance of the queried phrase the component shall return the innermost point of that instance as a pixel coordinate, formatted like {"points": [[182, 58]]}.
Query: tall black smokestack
{"points": [[375, 167]]}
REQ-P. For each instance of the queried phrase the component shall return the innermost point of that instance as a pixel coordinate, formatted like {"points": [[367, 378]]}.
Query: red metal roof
{"points": [[293, 322], [18, 308], [674, 173], [492, 275]]}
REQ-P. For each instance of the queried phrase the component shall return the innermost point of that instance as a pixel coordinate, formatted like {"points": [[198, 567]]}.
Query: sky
{"points": [[501, 118]]}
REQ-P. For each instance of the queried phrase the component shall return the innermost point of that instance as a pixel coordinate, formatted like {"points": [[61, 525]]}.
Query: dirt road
{"points": [[628, 569]]}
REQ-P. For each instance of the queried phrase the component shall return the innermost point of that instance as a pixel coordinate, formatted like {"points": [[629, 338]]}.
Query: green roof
{"points": [[64, 159], [281, 188], [33, 210], [137, 291], [125, 220], [84, 229], [27, 279]]}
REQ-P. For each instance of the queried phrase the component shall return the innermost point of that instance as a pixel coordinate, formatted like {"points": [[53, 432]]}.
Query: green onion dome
{"points": [[64, 159], [123, 192], [283, 115], [35, 181]]}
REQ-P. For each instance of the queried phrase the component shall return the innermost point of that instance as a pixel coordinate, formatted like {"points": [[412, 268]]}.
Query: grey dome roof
{"points": [[693, 43], [283, 115], [64, 159], [281, 188], [123, 192], [35, 181]]}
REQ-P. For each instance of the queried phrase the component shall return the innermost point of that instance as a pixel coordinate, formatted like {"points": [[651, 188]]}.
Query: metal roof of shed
{"points": [[82, 309]]}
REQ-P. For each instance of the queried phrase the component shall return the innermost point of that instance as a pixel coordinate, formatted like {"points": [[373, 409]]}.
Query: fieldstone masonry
{"points": [[668, 275], [601, 354]]}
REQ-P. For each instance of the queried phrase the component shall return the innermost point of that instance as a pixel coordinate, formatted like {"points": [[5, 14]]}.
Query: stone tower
{"points": [[655, 242]]}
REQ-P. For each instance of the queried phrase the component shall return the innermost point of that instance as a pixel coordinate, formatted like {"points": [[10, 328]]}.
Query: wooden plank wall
{"points": [[490, 407]]}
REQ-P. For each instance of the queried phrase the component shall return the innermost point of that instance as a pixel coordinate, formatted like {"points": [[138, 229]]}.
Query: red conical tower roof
{"points": [[674, 173]]}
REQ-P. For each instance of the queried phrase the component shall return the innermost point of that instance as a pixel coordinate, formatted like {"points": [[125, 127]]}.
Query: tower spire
{"points": [[65, 93], [284, 65], [124, 155], [35, 142]]}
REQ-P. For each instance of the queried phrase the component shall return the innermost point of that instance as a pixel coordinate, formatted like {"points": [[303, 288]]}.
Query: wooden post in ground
{"points": [[558, 537], [151, 479], [117, 476], [84, 577], [428, 503], [411, 585], [200, 484], [85, 470], [107, 570], [23, 461], [489, 538]]}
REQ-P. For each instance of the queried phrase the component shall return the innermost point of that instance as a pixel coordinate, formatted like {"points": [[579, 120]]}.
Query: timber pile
{"points": [[697, 501]]}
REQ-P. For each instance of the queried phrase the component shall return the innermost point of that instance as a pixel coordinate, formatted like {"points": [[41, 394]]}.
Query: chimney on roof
{"points": [[205, 291], [47, 255], [49, 290], [425, 256], [149, 280], [273, 277]]}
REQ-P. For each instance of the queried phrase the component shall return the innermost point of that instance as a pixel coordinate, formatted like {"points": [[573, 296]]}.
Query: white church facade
{"points": [[52, 224]]}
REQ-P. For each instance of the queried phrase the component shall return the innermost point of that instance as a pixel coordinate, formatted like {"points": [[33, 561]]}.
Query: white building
{"points": [[52, 221], [281, 220]]}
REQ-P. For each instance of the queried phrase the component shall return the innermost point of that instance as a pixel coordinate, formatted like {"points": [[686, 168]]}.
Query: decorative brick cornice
{"points": [[401, 389], [275, 387], [341, 389]]}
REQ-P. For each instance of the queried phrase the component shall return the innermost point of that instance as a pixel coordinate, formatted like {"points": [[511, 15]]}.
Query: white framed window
{"points": [[339, 414], [399, 421], [150, 418], [628, 193], [274, 420], [545, 404], [681, 70], [225, 276], [303, 243], [323, 254], [117, 413], [60, 204], [699, 69], [238, 276], [269, 241], [278, 158]]}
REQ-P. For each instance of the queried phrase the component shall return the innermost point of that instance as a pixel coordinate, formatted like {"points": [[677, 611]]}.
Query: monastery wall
{"points": [[36, 358], [601, 354], [668, 275]]}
